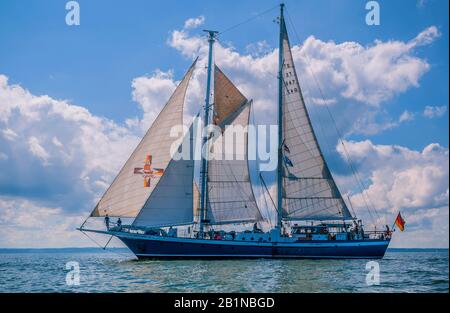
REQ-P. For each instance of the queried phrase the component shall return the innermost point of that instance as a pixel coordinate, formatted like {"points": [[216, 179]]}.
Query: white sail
{"points": [[230, 193], [141, 173], [309, 191], [172, 200]]}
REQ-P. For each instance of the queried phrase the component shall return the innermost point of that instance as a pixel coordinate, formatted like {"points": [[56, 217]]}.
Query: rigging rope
{"points": [[265, 199], [247, 20], [104, 247]]}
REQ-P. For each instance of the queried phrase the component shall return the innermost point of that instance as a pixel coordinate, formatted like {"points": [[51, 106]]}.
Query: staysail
{"points": [[227, 98], [142, 171], [172, 201], [309, 191], [230, 193]]}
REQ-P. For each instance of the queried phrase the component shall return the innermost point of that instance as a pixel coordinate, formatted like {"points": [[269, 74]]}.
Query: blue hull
{"points": [[170, 248]]}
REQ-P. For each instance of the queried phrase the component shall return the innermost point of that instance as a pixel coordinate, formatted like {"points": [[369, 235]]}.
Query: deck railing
{"points": [[352, 235]]}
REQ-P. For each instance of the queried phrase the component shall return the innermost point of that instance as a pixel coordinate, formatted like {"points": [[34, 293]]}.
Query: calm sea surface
{"points": [[118, 271]]}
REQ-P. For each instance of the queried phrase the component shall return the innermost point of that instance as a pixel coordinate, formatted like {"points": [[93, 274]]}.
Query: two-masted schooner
{"points": [[161, 194]]}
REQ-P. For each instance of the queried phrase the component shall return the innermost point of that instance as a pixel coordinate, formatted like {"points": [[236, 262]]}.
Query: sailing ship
{"points": [[175, 218]]}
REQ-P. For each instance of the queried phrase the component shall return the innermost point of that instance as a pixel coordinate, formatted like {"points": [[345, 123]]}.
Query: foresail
{"points": [[230, 194], [309, 191], [172, 201], [142, 171]]}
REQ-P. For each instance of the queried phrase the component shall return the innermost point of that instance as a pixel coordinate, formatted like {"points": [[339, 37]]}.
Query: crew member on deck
{"points": [[119, 223], [255, 228], [355, 231], [388, 232], [361, 229], [107, 221]]}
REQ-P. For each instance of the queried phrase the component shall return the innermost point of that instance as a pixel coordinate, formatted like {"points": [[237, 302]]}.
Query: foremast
{"points": [[204, 169]]}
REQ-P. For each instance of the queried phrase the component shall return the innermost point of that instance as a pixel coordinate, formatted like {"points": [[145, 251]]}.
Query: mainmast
{"points": [[280, 124], [204, 171]]}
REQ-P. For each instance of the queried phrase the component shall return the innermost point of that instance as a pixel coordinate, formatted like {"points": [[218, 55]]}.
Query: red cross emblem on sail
{"points": [[147, 171]]}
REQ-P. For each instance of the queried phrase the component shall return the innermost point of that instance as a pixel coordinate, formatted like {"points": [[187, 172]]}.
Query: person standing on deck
{"points": [[388, 232], [107, 221]]}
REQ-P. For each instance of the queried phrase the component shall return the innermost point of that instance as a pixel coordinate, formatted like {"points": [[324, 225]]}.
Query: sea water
{"points": [[117, 270]]}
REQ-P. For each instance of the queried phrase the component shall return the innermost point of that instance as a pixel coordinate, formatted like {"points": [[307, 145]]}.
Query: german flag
{"points": [[400, 222]]}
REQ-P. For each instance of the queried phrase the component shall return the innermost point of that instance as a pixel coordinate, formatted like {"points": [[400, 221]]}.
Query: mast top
{"points": [[212, 33], [281, 12]]}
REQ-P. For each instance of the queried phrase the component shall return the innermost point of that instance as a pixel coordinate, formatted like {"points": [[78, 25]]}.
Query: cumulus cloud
{"points": [[406, 116], [258, 49], [415, 182], [426, 37], [150, 92], [358, 79], [65, 143], [27, 224], [37, 150], [9, 134], [194, 22], [434, 111]]}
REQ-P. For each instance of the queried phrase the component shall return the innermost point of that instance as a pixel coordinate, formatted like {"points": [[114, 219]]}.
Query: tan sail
{"points": [[142, 171], [227, 98], [230, 193]]}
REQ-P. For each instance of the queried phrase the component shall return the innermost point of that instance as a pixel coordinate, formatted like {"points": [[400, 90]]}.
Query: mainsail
{"points": [[230, 193], [309, 191], [141, 173], [172, 200]]}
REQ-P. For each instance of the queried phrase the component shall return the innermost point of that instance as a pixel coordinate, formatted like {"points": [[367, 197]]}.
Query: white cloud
{"points": [[426, 228], [194, 22], [434, 111], [258, 49], [56, 142], [321, 101], [62, 142], [426, 37], [355, 78], [27, 224], [9, 134], [37, 150], [415, 182], [406, 116], [151, 93], [373, 122]]}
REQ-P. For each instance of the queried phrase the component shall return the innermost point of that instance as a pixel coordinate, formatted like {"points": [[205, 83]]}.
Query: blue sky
{"points": [[94, 65], [118, 42]]}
